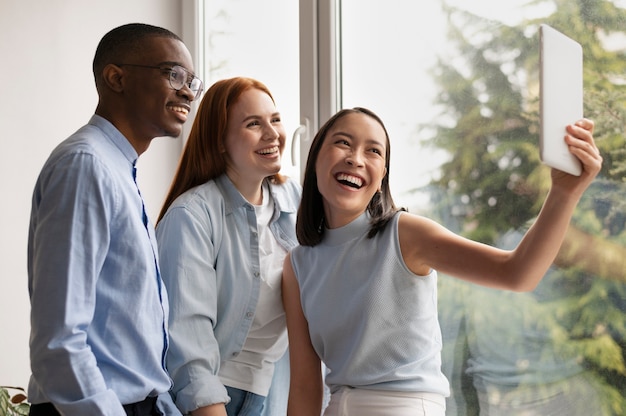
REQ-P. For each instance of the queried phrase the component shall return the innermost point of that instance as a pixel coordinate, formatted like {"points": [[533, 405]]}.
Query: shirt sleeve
{"points": [[69, 237], [187, 258]]}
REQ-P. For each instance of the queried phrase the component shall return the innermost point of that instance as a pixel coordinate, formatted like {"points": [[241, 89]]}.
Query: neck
{"points": [[140, 145], [252, 191], [334, 218]]}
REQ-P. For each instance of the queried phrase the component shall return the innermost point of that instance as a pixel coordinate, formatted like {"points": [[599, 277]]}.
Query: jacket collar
{"points": [[283, 200]]}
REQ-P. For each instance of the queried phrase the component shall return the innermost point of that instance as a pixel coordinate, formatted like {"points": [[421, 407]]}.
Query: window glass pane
{"points": [[385, 57], [458, 89], [257, 39]]}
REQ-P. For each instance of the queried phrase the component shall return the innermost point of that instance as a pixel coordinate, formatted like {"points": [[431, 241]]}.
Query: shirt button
{"points": [[257, 274], [249, 314]]}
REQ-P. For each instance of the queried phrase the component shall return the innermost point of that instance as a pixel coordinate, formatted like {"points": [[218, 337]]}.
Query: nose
{"points": [[186, 92], [354, 158], [270, 132]]}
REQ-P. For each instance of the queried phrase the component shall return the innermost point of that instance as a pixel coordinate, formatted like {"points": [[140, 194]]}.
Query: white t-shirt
{"points": [[253, 368]]}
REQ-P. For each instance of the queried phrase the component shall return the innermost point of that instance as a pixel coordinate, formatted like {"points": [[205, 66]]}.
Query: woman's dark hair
{"points": [[310, 222]]}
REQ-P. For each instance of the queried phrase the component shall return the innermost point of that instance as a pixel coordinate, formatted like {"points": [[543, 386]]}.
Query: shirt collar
{"points": [[116, 137], [283, 200]]}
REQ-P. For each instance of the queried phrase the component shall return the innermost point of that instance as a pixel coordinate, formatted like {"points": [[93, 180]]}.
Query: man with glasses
{"points": [[99, 308]]}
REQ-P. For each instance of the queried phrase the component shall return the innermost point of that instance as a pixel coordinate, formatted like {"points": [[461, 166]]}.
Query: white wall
{"points": [[46, 93]]}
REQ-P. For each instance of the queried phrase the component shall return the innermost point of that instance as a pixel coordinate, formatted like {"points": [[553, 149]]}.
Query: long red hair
{"points": [[203, 158]]}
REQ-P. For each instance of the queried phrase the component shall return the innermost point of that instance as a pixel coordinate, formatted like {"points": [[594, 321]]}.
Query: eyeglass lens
{"points": [[179, 76]]}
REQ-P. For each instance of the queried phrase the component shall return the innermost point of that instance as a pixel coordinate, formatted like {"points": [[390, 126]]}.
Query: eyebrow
{"points": [[255, 116], [172, 63], [350, 136]]}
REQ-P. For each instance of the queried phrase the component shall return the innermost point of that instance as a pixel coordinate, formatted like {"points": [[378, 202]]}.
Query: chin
{"points": [[173, 133], [272, 170]]}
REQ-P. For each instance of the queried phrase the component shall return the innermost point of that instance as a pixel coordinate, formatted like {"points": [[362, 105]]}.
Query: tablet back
{"points": [[561, 96]]}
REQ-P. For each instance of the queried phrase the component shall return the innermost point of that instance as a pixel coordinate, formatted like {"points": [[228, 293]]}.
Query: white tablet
{"points": [[561, 96]]}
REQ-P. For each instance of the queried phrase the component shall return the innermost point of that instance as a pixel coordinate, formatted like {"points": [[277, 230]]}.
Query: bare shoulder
{"points": [[409, 224], [415, 235], [426, 244]]}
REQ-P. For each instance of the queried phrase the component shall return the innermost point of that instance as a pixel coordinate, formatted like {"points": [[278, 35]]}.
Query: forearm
{"points": [[542, 242], [193, 361], [218, 409], [71, 381], [62, 308], [305, 401], [65, 369], [540, 246]]}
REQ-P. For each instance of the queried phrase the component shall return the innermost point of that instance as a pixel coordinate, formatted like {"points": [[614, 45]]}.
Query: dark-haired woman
{"points": [[360, 291]]}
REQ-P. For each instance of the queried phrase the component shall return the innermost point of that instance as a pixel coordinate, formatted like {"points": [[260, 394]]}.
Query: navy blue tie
{"points": [[144, 215], [144, 218]]}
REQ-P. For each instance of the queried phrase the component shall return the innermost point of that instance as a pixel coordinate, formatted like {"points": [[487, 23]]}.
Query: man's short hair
{"points": [[124, 41]]}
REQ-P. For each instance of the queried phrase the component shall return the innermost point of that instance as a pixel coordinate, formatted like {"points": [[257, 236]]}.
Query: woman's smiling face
{"points": [[255, 138], [350, 167]]}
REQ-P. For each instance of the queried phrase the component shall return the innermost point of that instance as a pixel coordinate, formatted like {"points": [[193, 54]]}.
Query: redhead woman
{"points": [[223, 233]]}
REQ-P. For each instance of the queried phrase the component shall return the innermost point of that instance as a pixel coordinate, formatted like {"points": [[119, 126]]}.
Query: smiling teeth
{"points": [[355, 180], [268, 151], [181, 110]]}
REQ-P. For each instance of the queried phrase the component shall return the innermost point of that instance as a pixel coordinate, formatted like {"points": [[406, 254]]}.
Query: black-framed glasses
{"points": [[179, 77]]}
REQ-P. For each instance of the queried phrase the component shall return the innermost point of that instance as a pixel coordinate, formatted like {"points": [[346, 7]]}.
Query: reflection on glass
{"points": [[458, 90]]}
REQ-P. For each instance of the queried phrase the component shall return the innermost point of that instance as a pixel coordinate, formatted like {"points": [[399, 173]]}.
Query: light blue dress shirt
{"points": [[98, 306], [210, 264]]}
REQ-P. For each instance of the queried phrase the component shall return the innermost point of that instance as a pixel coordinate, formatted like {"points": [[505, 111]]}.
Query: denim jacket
{"points": [[209, 257]]}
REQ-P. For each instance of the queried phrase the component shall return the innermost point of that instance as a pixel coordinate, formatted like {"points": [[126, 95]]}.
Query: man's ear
{"points": [[112, 76]]}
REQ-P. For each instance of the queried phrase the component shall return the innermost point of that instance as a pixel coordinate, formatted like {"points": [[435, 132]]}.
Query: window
{"points": [[457, 87], [456, 84], [257, 39]]}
